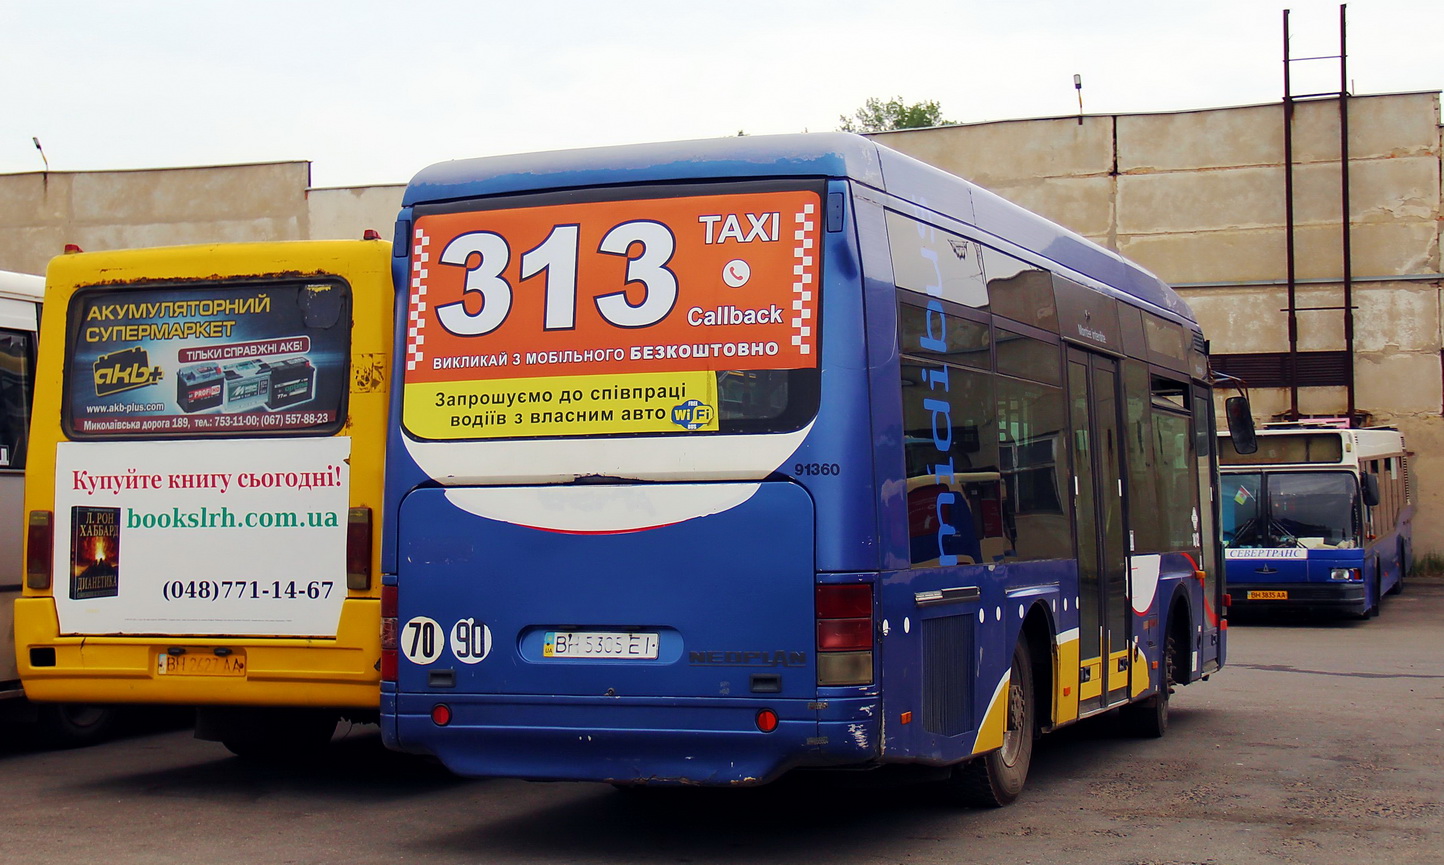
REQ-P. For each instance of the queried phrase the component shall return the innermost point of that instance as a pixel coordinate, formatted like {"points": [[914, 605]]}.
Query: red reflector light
{"points": [[358, 549], [370, 234], [441, 714], [39, 540], [389, 661], [72, 248], [842, 635], [766, 720], [844, 602]]}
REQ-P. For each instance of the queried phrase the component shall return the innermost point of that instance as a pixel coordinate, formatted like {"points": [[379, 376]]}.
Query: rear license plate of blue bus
{"points": [[1268, 596], [196, 664], [599, 644]]}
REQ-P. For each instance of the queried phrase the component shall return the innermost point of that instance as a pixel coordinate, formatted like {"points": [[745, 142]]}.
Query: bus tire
{"points": [[1148, 719], [73, 725], [996, 778]]}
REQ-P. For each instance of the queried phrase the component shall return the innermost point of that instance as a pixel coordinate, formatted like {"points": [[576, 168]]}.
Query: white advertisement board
{"points": [[243, 537]]}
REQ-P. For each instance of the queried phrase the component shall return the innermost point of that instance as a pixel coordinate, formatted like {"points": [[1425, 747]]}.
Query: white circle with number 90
{"points": [[470, 641], [421, 640]]}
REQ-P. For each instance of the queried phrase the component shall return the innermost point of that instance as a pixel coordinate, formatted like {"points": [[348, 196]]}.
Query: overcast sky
{"points": [[372, 91]]}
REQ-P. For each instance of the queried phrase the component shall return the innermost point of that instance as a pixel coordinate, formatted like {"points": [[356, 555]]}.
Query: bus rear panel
{"points": [[206, 480]]}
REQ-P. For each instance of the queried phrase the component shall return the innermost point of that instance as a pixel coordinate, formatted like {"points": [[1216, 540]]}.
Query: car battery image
{"points": [[199, 387], [292, 381], [248, 385]]}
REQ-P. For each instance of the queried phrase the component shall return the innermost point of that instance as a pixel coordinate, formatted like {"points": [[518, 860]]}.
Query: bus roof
{"points": [[1340, 446], [819, 154], [21, 286]]}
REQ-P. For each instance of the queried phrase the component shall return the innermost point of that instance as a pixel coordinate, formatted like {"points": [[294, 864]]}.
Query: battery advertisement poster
{"points": [[217, 361], [605, 317], [210, 537]]}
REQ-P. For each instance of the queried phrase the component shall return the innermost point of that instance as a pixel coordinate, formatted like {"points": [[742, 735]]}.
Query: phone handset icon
{"points": [[736, 273]]}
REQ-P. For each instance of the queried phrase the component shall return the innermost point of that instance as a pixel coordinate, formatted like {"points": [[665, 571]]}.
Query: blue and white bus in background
{"points": [[21, 301], [716, 459], [1320, 517]]}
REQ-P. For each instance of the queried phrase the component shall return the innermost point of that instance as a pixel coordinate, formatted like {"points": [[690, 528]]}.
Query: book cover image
{"points": [[94, 552]]}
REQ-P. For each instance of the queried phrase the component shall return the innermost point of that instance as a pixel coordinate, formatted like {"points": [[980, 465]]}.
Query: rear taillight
{"points": [[388, 633], [39, 552], [358, 549], [844, 634]]}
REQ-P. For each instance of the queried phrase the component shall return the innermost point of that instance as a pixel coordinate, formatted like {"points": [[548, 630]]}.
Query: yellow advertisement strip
{"points": [[562, 406]]}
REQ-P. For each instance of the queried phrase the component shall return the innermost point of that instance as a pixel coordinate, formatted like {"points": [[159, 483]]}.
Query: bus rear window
{"points": [[215, 359], [17, 388], [660, 311]]}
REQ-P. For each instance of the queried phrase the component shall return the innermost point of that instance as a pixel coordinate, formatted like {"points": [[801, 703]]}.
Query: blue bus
{"points": [[1318, 518], [717, 459]]}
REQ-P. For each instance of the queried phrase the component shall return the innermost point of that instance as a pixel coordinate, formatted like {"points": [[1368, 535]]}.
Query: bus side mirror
{"points": [[1371, 489], [1240, 424]]}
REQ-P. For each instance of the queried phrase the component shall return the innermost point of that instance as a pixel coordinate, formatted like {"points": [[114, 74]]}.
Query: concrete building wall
{"points": [[41, 212], [1198, 197], [343, 213]]}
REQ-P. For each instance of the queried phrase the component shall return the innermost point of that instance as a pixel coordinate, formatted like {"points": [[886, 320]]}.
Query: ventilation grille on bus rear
{"points": [[947, 658]]}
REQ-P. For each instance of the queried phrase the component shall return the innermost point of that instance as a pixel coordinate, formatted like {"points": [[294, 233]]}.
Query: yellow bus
{"points": [[205, 486]]}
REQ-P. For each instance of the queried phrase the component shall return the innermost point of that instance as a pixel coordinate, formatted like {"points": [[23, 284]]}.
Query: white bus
{"points": [[20, 305]]}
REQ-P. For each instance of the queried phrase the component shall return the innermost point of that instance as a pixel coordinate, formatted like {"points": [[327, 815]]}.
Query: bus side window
{"points": [[16, 390]]}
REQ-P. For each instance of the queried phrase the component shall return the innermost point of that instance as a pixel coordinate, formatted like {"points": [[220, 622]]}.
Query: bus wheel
{"points": [[996, 778], [73, 725], [1149, 718]]}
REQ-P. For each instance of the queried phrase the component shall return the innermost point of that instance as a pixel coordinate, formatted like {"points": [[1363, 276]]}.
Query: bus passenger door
{"points": [[1103, 632]]}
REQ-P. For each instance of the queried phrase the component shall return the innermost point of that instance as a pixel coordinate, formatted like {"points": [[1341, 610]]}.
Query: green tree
{"points": [[878, 116]]}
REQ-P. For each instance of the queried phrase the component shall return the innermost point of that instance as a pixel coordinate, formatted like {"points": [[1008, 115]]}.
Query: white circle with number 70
{"points": [[421, 640]]}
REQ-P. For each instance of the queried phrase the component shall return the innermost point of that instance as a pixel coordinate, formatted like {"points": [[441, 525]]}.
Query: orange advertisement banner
{"points": [[614, 289]]}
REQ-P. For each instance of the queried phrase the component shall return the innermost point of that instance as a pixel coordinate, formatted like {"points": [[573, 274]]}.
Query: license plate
{"points": [[1268, 596], [195, 664], [599, 644]]}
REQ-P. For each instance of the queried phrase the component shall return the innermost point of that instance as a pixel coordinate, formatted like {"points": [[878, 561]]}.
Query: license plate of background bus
{"points": [[599, 644], [196, 664], [1268, 596]]}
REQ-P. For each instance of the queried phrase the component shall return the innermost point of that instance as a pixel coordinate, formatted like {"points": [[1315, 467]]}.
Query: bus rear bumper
{"points": [[625, 741], [1350, 597], [336, 673]]}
